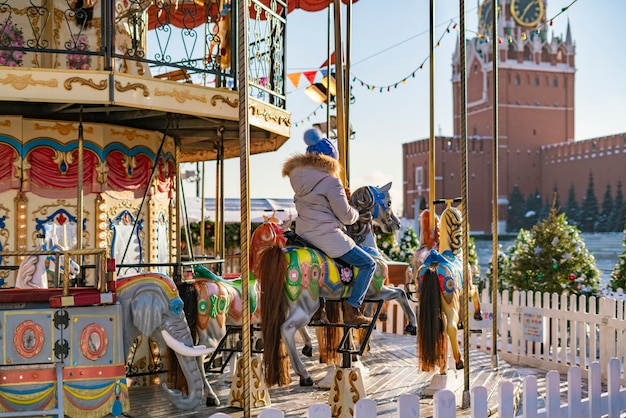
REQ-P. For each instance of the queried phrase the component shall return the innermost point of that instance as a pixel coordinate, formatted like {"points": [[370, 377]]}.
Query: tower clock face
{"points": [[485, 18], [527, 13]]}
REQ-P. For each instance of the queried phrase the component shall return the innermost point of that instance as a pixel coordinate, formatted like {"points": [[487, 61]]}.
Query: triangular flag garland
{"points": [[311, 76]]}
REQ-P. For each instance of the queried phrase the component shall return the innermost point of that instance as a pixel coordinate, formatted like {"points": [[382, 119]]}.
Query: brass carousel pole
{"points": [[244, 159], [341, 113], [346, 95], [431, 141], [463, 134], [494, 185], [202, 210]]}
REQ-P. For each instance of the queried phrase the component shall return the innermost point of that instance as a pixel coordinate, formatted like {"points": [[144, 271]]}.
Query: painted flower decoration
{"points": [[11, 36], [78, 61]]}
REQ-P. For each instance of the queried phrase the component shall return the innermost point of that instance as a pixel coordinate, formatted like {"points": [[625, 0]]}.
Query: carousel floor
{"points": [[389, 370]]}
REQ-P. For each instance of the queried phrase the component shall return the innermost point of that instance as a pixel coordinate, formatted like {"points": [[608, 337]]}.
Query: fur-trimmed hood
{"points": [[317, 161]]}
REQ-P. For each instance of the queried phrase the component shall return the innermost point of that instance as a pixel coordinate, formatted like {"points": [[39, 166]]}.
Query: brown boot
{"points": [[353, 316]]}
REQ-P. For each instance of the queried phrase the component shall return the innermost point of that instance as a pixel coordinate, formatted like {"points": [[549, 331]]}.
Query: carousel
{"points": [[101, 103]]}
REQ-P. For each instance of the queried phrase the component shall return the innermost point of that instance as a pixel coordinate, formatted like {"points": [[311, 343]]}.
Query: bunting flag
{"points": [[294, 78]]}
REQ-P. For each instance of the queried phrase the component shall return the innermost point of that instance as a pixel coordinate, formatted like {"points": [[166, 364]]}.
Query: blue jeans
{"points": [[366, 266]]}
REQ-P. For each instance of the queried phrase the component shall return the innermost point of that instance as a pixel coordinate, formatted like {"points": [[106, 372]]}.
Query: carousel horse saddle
{"points": [[296, 240]]}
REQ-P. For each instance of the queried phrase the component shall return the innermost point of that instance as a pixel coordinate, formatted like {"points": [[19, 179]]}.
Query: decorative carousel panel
{"points": [[95, 336], [127, 236], [28, 337]]}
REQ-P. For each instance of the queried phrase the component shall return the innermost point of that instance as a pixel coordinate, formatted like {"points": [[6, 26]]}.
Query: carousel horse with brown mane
{"points": [[213, 303], [436, 273], [295, 278]]}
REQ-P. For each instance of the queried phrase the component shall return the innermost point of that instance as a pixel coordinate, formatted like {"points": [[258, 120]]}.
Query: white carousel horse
{"points": [[294, 279], [36, 271]]}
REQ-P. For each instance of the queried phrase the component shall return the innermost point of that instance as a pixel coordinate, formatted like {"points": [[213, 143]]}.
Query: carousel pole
{"points": [[494, 183], [464, 301], [431, 140], [346, 95], [340, 98], [244, 171], [347, 387], [202, 209], [80, 203]]}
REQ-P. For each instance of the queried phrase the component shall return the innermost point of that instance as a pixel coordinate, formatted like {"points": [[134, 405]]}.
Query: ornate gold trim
{"points": [[133, 86], [21, 82], [180, 96], [5, 124], [21, 209], [269, 116], [61, 128], [129, 134], [100, 86], [226, 100]]}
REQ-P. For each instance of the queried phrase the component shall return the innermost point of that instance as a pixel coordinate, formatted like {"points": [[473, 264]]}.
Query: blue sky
{"points": [[390, 40]]}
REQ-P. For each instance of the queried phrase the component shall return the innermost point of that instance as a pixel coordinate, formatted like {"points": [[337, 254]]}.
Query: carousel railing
{"points": [[184, 40], [61, 272]]}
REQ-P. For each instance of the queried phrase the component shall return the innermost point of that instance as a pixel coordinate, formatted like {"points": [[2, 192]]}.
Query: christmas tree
{"points": [[503, 266], [385, 242], [406, 248], [552, 257], [618, 275]]}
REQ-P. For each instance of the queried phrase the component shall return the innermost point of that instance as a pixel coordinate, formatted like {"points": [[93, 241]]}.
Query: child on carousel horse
{"points": [[324, 211]]}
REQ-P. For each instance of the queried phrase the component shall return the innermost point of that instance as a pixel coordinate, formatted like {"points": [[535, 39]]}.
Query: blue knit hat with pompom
{"points": [[317, 144]]}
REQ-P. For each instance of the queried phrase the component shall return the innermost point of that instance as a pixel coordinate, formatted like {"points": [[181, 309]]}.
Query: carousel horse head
{"points": [[36, 271], [374, 206]]}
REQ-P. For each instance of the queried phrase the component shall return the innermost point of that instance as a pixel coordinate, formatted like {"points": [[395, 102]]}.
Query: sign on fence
{"points": [[532, 324]]}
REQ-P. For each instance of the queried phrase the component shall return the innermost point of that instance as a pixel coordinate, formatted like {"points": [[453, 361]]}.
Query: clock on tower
{"points": [[527, 13]]}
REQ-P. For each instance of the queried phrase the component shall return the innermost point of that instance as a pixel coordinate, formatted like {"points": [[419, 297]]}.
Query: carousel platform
{"points": [[389, 370]]}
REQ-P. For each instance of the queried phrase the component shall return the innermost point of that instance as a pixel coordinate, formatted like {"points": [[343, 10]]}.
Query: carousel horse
{"points": [[436, 273], [212, 303], [295, 278], [36, 271]]}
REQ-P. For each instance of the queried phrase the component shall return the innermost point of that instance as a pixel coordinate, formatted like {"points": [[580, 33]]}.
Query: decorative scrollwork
{"points": [[133, 86], [180, 96], [100, 86], [269, 116], [21, 82], [231, 103]]}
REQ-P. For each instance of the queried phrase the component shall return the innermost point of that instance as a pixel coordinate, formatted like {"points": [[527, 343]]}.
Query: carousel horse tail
{"points": [[272, 270], [328, 338], [431, 338], [188, 294]]}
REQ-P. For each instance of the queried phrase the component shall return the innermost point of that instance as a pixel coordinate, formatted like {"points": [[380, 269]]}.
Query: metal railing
{"points": [[181, 40]]}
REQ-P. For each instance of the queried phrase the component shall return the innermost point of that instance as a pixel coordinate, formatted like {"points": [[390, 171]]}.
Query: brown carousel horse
{"points": [[295, 279], [437, 275]]}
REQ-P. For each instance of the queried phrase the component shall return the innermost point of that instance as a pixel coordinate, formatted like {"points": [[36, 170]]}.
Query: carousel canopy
{"points": [[179, 14]]}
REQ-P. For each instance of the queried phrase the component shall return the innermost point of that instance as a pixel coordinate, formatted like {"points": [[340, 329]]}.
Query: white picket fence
{"points": [[608, 404], [547, 331]]}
